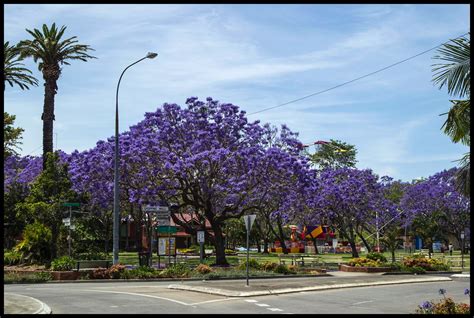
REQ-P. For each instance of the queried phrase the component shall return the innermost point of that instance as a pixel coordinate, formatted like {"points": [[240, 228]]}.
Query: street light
{"points": [[150, 55]]}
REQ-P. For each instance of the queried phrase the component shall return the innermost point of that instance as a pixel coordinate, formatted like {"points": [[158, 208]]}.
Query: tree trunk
{"points": [[352, 243], [367, 245], [50, 87], [219, 244], [54, 241], [265, 246], [281, 236]]}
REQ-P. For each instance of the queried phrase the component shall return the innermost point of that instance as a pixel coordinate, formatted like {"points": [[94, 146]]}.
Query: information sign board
{"points": [[166, 245]]}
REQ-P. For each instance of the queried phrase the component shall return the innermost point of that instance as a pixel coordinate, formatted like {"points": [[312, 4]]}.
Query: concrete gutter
{"points": [[232, 293]]}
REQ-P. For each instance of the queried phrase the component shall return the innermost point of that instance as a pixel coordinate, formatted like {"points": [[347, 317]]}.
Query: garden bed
{"points": [[347, 268]]}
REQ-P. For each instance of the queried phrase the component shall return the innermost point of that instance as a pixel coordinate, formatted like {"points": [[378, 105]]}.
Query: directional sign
{"points": [[150, 208], [248, 220], [72, 204]]}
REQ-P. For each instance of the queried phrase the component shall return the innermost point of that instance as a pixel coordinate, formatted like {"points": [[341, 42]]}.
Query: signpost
{"points": [[200, 239], [462, 250], [67, 222], [248, 220]]}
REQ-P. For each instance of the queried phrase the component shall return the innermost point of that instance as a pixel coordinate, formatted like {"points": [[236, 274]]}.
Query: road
{"points": [[156, 298]]}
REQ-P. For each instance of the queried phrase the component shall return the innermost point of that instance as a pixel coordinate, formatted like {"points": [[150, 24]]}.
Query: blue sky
{"points": [[254, 56]]}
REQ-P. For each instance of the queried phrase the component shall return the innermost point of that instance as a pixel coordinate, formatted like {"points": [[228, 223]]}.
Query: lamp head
{"points": [[151, 55]]}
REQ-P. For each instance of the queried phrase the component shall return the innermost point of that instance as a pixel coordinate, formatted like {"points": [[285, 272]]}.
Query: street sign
{"points": [[200, 236], [166, 229], [248, 220], [462, 235], [71, 204], [150, 208], [72, 227]]}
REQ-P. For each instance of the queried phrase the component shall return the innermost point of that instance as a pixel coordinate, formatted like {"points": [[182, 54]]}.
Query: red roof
{"points": [[186, 217]]}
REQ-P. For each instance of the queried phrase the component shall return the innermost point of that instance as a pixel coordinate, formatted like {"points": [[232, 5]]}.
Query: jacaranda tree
{"points": [[436, 207]]}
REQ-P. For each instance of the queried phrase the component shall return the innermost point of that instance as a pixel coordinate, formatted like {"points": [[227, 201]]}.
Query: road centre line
{"points": [[275, 309], [251, 300], [263, 305]]}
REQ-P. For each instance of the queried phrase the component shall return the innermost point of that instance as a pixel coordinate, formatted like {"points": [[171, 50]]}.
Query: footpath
{"points": [[19, 304]]}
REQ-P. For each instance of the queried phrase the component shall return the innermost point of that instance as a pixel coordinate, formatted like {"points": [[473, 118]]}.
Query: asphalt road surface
{"points": [[156, 298]]}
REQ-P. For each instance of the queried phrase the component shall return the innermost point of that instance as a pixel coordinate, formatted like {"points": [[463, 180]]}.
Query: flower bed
{"points": [[365, 269]]}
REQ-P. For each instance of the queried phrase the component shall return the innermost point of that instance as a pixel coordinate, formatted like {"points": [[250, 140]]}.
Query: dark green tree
{"points": [[11, 135], [51, 51], [455, 74], [334, 154], [47, 193]]}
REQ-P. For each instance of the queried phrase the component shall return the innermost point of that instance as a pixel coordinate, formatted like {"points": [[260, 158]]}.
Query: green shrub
{"points": [[36, 244], [13, 277], [415, 269], [63, 263], [396, 266], [229, 251], [283, 269], [376, 257], [176, 270], [253, 264], [11, 258], [140, 272]]}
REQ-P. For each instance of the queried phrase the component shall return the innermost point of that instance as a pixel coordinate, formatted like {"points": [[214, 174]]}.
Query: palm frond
{"points": [[455, 74], [458, 123]]}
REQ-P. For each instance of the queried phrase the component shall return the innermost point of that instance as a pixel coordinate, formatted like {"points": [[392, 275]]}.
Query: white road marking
{"points": [[164, 298], [263, 305], [251, 300], [363, 302], [113, 306], [212, 301], [274, 309], [135, 294]]}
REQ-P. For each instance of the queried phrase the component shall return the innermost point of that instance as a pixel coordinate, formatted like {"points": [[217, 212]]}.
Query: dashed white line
{"points": [[275, 309], [251, 300], [263, 305], [363, 302]]}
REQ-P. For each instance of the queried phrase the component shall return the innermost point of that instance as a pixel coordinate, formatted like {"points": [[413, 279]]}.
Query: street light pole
{"points": [[377, 226], [116, 166]]}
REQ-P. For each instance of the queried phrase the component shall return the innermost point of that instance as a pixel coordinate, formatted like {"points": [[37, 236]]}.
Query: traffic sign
{"points": [[71, 204], [248, 220]]}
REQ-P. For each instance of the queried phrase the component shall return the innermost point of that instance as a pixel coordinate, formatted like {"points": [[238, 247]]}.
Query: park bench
{"points": [[300, 260], [91, 264]]}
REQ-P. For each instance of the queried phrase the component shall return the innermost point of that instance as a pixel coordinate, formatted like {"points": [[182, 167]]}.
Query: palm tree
{"points": [[13, 70], [455, 74], [51, 51]]}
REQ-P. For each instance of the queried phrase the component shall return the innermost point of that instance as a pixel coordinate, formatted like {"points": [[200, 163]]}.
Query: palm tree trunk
{"points": [[48, 116]]}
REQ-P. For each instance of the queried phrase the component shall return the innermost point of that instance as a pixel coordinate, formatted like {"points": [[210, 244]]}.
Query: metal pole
{"points": [[248, 232], [169, 239], [462, 254], [115, 248], [69, 237], [377, 226]]}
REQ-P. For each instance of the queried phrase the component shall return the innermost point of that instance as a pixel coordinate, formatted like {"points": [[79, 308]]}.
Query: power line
{"points": [[356, 79]]}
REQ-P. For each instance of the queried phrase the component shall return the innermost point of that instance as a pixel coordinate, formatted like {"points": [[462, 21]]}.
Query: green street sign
{"points": [[166, 229], [72, 204]]}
